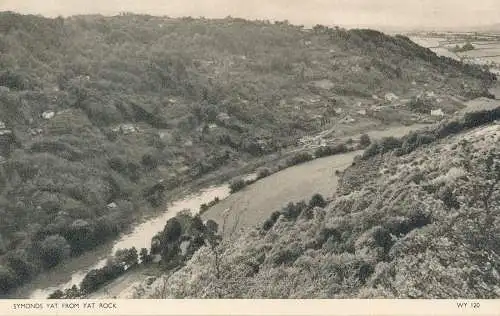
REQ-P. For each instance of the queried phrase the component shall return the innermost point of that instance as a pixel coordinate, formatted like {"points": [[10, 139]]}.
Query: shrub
{"points": [[127, 257], [269, 223], [7, 279], [365, 141], [98, 277], [144, 256], [56, 295], [293, 210], [317, 201], [237, 185], [330, 150], [372, 150], [300, 158], [262, 173], [53, 250]]}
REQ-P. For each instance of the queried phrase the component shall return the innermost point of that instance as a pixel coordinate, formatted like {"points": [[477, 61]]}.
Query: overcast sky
{"points": [[408, 13]]}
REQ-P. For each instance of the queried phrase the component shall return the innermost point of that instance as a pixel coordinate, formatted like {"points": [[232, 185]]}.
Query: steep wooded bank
{"points": [[100, 116], [424, 224]]}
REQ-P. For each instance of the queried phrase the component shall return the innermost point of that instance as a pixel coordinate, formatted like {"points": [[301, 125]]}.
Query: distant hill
{"points": [[101, 116]]}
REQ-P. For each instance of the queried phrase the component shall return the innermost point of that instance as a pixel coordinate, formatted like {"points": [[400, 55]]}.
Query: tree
{"points": [[3, 249], [7, 279], [317, 201], [365, 141], [56, 295], [53, 250], [20, 265], [144, 256], [237, 185], [172, 231], [262, 173], [127, 256]]}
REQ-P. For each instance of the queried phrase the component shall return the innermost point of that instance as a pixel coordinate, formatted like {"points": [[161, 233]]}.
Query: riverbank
{"points": [[253, 204]]}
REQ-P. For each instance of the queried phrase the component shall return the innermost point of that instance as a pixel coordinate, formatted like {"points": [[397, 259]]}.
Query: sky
{"points": [[355, 13]]}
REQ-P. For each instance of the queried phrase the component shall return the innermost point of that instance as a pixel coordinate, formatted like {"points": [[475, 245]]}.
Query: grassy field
{"points": [[255, 203], [486, 48]]}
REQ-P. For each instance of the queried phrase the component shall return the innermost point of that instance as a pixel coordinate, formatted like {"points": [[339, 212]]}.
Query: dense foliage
{"points": [[412, 141], [100, 116], [421, 225]]}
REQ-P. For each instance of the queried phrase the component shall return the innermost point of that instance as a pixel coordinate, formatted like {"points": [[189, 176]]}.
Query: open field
{"points": [[486, 46], [255, 203]]}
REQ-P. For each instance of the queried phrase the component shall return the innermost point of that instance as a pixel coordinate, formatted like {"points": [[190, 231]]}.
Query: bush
{"points": [[269, 223], [204, 207], [237, 185], [144, 256], [7, 279], [98, 277], [317, 201], [127, 257], [300, 158], [262, 173], [53, 250], [293, 210], [365, 141], [331, 150]]}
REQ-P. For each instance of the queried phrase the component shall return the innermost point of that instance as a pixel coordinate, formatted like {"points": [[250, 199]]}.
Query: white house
{"points": [[390, 97], [48, 115], [437, 112]]}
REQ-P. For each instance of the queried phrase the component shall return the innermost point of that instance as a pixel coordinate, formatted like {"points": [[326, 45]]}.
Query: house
{"points": [[430, 94], [48, 115], [338, 110], [437, 112], [348, 119], [390, 97], [222, 117], [112, 205]]}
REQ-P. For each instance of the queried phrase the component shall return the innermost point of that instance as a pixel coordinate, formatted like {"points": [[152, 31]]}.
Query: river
{"points": [[263, 197], [73, 272]]}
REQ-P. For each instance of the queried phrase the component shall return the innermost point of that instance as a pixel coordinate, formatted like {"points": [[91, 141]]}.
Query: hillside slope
{"points": [[100, 116], [421, 225]]}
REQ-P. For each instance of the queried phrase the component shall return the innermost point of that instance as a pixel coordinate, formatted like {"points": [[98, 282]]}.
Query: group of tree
{"points": [[412, 141], [122, 261]]}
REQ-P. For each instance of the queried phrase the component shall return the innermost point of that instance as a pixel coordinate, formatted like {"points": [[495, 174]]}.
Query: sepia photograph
{"points": [[228, 149]]}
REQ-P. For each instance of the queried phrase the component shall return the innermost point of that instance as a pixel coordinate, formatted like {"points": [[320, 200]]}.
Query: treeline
{"points": [[122, 261], [412, 141], [182, 236], [293, 210]]}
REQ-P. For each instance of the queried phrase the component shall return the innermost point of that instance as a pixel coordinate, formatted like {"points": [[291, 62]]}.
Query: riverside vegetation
{"points": [[404, 224], [101, 116]]}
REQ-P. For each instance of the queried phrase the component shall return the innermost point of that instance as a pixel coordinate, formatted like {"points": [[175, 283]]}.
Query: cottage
{"points": [[437, 112], [48, 115], [430, 94], [112, 205], [223, 117], [390, 97], [338, 110], [348, 119]]}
